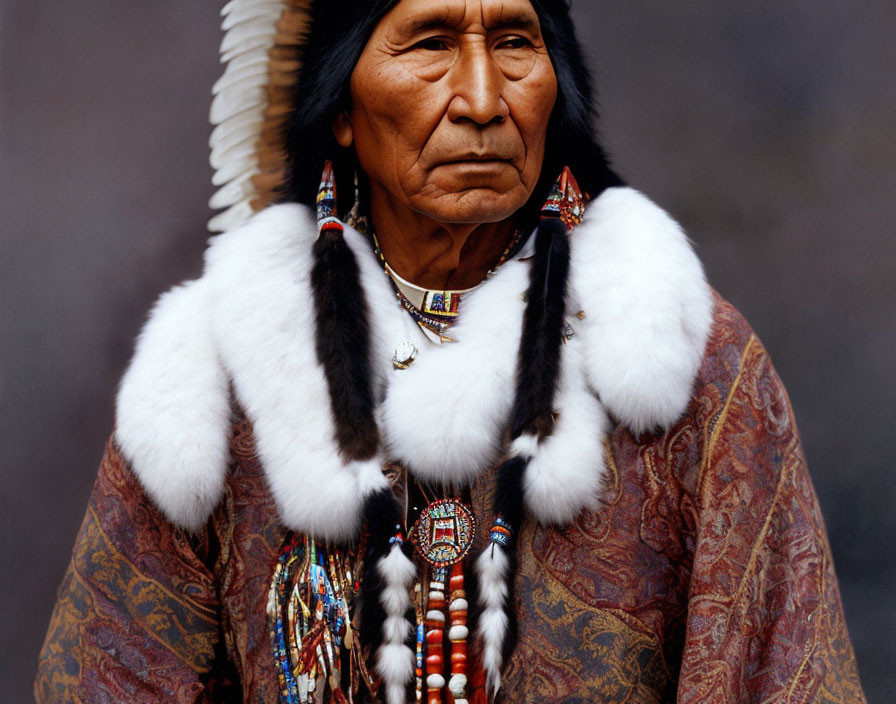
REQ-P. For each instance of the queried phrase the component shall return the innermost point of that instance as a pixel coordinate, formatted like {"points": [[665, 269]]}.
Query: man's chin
{"points": [[473, 206]]}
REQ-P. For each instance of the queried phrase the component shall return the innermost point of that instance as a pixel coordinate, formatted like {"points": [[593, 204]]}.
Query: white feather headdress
{"points": [[251, 101]]}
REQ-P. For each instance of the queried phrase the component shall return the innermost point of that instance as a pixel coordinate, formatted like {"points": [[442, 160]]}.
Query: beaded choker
{"points": [[434, 310]]}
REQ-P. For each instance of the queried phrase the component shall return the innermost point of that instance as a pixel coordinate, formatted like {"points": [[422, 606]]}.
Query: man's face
{"points": [[450, 108]]}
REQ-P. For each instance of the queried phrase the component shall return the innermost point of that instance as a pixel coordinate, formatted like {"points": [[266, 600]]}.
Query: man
{"points": [[457, 417]]}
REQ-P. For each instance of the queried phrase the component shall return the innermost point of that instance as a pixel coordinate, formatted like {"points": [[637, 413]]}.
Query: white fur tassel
{"points": [[395, 660], [492, 567]]}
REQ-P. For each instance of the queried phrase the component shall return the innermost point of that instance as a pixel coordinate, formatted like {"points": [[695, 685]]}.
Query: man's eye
{"points": [[514, 43], [432, 44]]}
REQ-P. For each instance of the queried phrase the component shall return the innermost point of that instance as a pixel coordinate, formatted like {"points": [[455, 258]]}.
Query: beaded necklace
{"points": [[437, 310]]}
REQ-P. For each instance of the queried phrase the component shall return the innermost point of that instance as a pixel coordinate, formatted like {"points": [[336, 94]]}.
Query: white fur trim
{"points": [[263, 322], [174, 410], [564, 474], [445, 415], [249, 320], [524, 446], [492, 567], [648, 308], [389, 324]]}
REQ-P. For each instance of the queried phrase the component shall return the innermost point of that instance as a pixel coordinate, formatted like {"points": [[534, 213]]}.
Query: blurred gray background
{"points": [[768, 128]]}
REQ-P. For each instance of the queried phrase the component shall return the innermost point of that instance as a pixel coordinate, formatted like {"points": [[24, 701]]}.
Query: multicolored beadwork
{"points": [[565, 201], [457, 634], [316, 650], [435, 634], [441, 303], [501, 532], [443, 535], [308, 607], [444, 532], [420, 636], [326, 194], [439, 309]]}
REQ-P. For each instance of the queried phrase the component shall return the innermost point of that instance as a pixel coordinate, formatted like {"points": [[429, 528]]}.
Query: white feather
{"points": [[226, 153], [234, 100], [253, 57], [266, 11], [238, 5], [260, 41], [236, 127], [234, 170], [247, 34], [234, 192], [253, 72], [230, 218]]}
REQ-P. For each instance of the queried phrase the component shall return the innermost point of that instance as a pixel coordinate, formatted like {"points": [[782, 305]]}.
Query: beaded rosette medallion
{"points": [[444, 532], [442, 535]]}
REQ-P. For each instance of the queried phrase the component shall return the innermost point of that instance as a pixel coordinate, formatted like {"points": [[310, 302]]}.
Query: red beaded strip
{"points": [[457, 634], [435, 634]]}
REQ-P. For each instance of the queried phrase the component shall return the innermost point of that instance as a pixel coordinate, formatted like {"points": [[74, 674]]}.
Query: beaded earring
{"points": [[356, 217]]}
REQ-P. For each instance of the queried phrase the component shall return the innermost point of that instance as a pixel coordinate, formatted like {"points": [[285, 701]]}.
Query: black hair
{"points": [[340, 29]]}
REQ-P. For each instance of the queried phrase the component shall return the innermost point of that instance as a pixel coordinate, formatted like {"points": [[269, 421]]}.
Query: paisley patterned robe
{"points": [[704, 576]]}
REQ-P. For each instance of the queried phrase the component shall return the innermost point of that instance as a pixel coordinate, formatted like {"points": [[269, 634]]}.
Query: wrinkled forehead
{"points": [[410, 17]]}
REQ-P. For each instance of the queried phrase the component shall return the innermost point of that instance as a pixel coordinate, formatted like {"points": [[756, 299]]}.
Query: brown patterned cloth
{"points": [[705, 576]]}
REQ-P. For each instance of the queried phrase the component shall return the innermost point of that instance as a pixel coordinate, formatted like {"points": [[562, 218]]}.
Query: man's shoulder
{"points": [[731, 348], [173, 411]]}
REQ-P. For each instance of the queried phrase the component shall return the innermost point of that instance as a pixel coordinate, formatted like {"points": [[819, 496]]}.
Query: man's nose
{"points": [[477, 84]]}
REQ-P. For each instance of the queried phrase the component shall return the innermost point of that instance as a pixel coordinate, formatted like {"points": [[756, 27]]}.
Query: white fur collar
{"points": [[249, 322]]}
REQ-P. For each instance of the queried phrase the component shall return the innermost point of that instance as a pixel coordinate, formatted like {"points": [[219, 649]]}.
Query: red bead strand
{"points": [[457, 634], [435, 634]]}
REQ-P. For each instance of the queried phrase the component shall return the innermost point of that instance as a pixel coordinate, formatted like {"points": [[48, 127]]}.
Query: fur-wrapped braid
{"points": [[342, 342], [539, 353], [538, 373]]}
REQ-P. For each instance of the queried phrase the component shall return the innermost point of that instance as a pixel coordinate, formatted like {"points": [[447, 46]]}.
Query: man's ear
{"points": [[342, 129]]}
